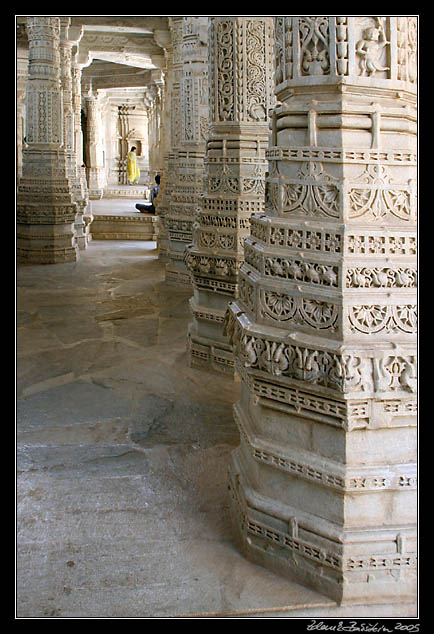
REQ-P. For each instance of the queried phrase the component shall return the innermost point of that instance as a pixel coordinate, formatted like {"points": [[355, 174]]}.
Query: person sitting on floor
{"points": [[149, 208]]}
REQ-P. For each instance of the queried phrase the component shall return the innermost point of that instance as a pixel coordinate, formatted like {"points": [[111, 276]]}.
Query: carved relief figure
{"points": [[370, 49]]}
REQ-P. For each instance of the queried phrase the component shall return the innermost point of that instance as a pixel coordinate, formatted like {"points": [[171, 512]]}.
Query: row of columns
{"points": [[288, 202], [303, 269]]}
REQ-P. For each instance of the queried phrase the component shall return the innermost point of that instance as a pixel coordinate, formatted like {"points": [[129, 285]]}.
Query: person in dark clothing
{"points": [[149, 208]]}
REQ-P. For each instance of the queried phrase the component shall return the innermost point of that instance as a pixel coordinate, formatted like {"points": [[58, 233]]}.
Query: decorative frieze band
{"points": [[340, 155], [313, 192], [316, 312], [348, 414], [226, 222], [232, 205], [204, 352], [220, 266], [303, 270], [345, 372], [363, 242], [206, 313], [326, 48]]}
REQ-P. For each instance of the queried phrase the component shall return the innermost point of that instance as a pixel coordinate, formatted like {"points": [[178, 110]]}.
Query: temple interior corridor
{"points": [[216, 317]]}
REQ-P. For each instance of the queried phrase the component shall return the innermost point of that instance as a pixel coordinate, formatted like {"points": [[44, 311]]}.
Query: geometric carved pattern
{"points": [[299, 310], [370, 319], [379, 198]]}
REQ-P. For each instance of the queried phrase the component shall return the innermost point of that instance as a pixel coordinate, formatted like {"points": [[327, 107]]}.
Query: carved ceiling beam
{"points": [[123, 23]]}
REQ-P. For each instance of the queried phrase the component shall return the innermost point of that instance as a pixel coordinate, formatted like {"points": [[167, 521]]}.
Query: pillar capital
{"points": [[373, 52]]}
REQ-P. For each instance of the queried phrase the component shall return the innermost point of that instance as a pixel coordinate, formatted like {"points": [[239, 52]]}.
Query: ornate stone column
{"points": [[323, 484], [153, 111], [159, 110], [22, 64], [191, 110], [21, 107], [69, 36], [93, 151], [46, 210], [240, 75], [76, 72], [154, 104], [170, 132]]}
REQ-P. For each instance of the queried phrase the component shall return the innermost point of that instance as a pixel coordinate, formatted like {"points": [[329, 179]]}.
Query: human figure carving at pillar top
{"points": [[371, 47]]}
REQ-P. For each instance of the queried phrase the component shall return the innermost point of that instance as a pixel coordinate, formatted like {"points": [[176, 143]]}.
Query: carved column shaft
{"points": [[161, 203], [94, 154], [68, 38], [190, 121], [171, 134], [153, 111], [46, 210], [76, 72], [324, 481], [20, 131], [240, 76], [83, 234], [66, 82], [22, 64]]}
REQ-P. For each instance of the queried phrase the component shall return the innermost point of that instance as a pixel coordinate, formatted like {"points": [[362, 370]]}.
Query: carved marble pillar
{"points": [[22, 64], [93, 151], [154, 103], [323, 484], [170, 132], [240, 75], [76, 72], [69, 36], [21, 107], [46, 210], [192, 107], [158, 124], [153, 113]]}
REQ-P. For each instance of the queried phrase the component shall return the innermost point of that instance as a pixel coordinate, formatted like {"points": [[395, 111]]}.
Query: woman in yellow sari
{"points": [[133, 171]]}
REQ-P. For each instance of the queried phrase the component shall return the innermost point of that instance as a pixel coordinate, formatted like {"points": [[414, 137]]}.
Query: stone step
{"points": [[126, 191], [126, 226]]}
